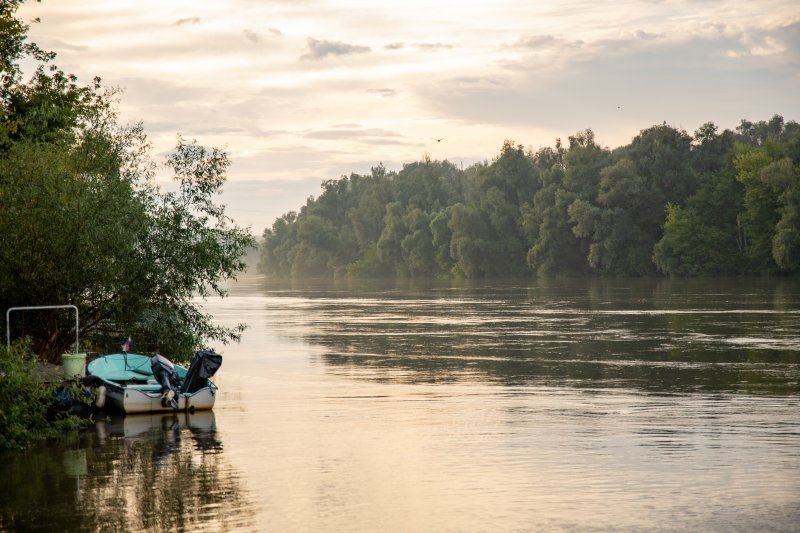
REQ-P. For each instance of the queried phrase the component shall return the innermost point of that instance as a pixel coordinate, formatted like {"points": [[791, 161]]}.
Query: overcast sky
{"points": [[301, 91]]}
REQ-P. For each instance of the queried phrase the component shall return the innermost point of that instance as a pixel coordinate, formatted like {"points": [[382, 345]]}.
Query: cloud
{"points": [[251, 36], [322, 49], [641, 34], [387, 93], [352, 132], [257, 203], [537, 42], [434, 46], [315, 161], [187, 21], [141, 92], [765, 46], [768, 46], [682, 82], [60, 46], [395, 46], [255, 37]]}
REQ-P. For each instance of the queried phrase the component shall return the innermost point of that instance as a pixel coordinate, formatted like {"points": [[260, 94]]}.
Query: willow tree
{"points": [[85, 222]]}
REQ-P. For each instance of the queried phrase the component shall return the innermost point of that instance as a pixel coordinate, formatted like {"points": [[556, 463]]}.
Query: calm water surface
{"points": [[504, 406]]}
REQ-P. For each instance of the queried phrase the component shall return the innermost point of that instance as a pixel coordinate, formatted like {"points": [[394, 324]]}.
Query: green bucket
{"points": [[74, 364]]}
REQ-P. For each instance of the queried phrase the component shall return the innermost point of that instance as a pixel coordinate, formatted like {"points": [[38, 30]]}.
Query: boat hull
{"points": [[133, 400]]}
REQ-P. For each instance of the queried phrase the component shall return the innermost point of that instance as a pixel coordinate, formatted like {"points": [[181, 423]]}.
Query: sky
{"points": [[302, 91]]}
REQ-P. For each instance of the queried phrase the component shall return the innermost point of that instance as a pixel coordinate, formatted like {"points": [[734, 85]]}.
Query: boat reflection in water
{"points": [[152, 472], [201, 426]]}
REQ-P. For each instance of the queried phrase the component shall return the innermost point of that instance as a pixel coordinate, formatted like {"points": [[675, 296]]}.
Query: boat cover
{"points": [[204, 365]]}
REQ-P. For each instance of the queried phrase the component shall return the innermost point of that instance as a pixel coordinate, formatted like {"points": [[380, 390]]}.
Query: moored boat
{"points": [[138, 383]]}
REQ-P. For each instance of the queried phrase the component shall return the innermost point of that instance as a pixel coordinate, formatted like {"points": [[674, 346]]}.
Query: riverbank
{"points": [[28, 389], [49, 373]]}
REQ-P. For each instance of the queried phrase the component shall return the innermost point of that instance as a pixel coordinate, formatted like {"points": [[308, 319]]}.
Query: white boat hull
{"points": [[132, 400]]}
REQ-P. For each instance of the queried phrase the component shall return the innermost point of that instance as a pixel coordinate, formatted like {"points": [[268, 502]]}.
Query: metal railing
{"points": [[35, 307]]}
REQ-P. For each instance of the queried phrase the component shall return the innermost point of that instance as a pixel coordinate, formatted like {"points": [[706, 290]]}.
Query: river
{"points": [[547, 405]]}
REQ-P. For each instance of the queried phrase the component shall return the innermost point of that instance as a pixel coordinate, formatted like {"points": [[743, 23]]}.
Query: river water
{"points": [[577, 405]]}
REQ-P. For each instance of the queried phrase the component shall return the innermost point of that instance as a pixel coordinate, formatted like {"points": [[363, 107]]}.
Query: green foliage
{"points": [[786, 242], [689, 248], [713, 204], [771, 180], [627, 214], [703, 238], [417, 246], [24, 400], [90, 226], [703, 235], [566, 176], [390, 242], [471, 245], [512, 174]]}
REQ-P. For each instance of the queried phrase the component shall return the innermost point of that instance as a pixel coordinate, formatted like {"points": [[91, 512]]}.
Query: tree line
{"points": [[712, 204]]}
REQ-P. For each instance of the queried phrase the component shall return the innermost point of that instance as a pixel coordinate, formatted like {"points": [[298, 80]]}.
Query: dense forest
{"points": [[716, 203]]}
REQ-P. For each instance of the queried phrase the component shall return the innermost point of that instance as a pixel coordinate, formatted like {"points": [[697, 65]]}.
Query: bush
{"points": [[25, 399]]}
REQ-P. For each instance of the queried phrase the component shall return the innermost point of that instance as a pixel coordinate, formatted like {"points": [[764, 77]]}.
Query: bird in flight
{"points": [[438, 140]]}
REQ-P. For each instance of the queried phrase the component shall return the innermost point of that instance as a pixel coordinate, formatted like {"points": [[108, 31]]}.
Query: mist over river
{"points": [[526, 405]]}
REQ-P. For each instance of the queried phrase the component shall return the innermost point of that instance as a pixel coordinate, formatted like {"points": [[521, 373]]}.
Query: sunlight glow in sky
{"points": [[301, 91]]}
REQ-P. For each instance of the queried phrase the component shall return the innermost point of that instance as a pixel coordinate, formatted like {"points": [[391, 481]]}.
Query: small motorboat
{"points": [[138, 383]]}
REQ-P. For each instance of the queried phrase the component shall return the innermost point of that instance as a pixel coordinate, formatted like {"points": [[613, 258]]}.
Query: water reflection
{"points": [[161, 472], [517, 406], [657, 335]]}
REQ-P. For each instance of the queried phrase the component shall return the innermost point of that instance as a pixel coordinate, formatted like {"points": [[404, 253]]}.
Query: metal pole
{"points": [[34, 307]]}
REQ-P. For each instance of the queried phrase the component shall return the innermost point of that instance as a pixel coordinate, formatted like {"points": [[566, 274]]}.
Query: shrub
{"points": [[25, 399]]}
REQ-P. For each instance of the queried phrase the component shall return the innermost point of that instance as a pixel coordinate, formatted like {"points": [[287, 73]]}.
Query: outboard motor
{"points": [[167, 377], [204, 365]]}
